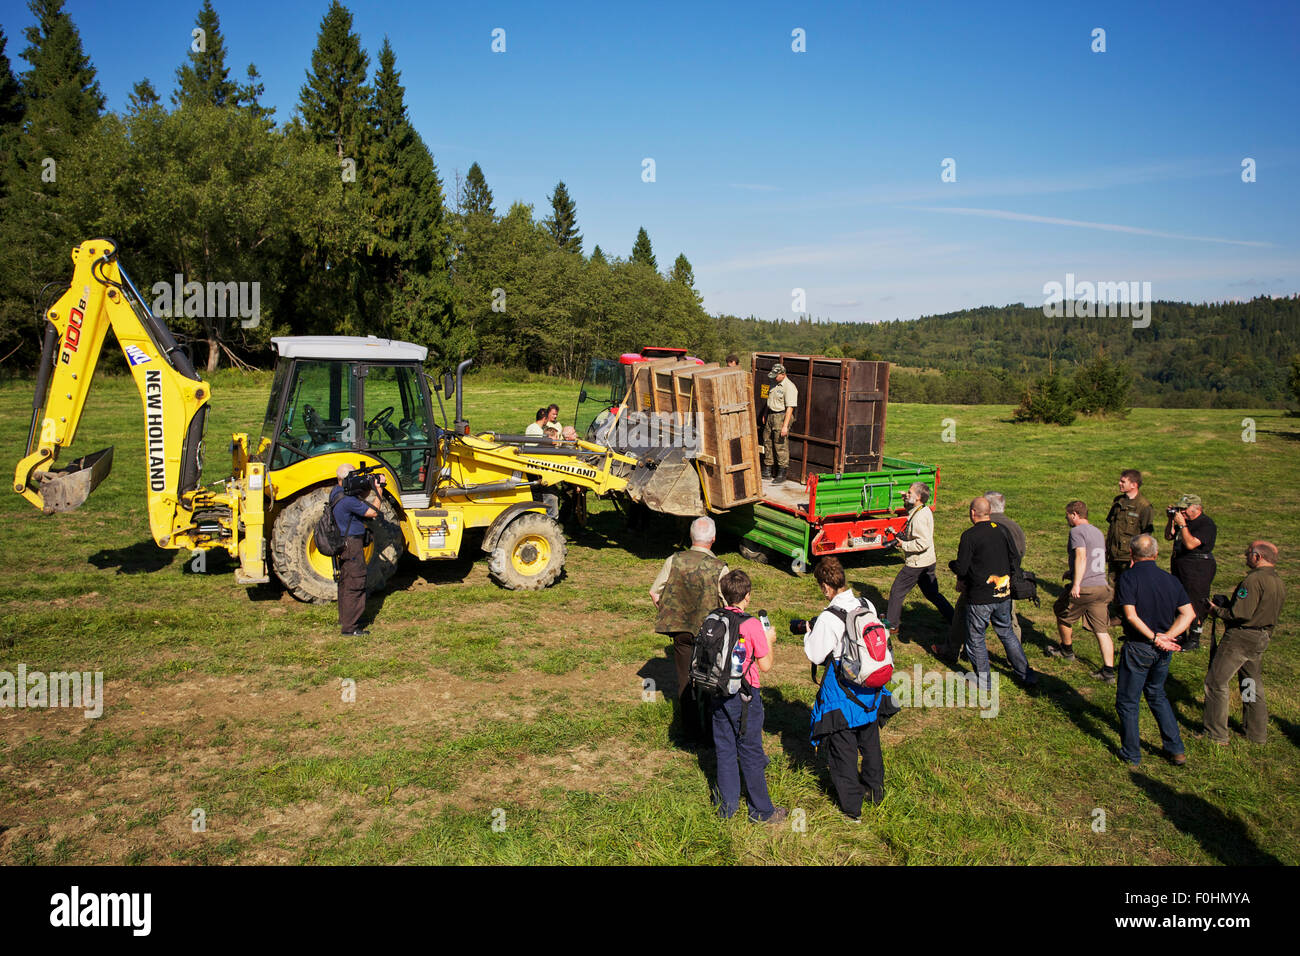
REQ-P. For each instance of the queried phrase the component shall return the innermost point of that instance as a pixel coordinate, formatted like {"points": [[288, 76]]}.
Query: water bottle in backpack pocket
{"points": [[718, 661]]}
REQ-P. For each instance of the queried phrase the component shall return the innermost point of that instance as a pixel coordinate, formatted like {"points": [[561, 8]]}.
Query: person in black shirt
{"points": [[1193, 533], [983, 569], [349, 512]]}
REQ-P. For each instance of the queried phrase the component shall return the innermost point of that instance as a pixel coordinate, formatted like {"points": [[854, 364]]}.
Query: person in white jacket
{"points": [[916, 541]]}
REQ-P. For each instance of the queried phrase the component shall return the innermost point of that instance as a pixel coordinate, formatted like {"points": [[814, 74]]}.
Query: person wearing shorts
{"points": [[1088, 596]]}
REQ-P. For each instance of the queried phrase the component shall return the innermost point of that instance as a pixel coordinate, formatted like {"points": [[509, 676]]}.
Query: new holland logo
{"points": [[135, 355]]}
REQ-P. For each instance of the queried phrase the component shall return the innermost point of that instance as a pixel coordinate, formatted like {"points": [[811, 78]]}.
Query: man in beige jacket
{"points": [[917, 544]]}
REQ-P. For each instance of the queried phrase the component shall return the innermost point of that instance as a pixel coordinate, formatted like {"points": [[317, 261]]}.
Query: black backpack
{"points": [[329, 536], [712, 671], [1024, 584]]}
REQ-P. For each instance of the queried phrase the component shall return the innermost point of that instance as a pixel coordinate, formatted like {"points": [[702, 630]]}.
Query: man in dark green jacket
{"points": [[685, 591]]}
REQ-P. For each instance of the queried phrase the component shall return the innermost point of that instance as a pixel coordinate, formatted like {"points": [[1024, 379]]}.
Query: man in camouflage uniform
{"points": [[685, 591], [782, 400], [1251, 614], [1130, 515]]}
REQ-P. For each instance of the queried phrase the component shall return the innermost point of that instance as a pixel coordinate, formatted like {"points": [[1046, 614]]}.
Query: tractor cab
{"points": [[603, 390], [349, 393]]}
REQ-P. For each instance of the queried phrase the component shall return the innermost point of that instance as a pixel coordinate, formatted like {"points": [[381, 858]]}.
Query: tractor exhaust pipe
{"points": [[461, 426]]}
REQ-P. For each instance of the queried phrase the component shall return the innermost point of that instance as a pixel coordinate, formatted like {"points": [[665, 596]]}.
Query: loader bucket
{"points": [[67, 488], [666, 481]]}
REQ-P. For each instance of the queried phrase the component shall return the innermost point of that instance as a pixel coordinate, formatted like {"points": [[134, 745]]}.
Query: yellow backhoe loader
{"points": [[334, 400]]}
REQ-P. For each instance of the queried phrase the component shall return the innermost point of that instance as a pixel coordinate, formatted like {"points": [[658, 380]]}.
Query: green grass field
{"points": [[505, 727]]}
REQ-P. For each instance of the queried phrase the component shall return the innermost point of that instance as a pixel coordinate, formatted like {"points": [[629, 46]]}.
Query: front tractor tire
{"points": [[309, 575], [529, 554]]}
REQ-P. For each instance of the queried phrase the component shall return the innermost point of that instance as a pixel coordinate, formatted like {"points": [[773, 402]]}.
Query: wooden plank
{"points": [[643, 383], [729, 439]]}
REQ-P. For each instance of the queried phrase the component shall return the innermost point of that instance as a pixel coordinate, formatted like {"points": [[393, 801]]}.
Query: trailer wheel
{"points": [[529, 554], [752, 552], [309, 575]]}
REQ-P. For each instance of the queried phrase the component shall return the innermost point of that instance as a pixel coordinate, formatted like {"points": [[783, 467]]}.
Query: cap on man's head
{"points": [[1189, 501], [344, 471], [777, 369]]}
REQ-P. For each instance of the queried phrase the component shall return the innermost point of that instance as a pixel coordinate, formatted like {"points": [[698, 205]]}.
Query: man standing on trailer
{"points": [[782, 400]]}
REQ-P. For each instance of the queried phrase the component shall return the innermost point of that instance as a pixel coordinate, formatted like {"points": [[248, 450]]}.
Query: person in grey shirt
{"points": [[1088, 595]]}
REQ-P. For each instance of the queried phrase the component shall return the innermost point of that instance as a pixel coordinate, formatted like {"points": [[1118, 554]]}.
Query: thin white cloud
{"points": [[1079, 223]]}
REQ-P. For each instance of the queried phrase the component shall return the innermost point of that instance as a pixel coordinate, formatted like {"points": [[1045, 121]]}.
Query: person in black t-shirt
{"points": [[1193, 533]]}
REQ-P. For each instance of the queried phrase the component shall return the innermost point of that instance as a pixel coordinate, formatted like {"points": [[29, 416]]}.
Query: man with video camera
{"points": [[354, 499], [1193, 533]]}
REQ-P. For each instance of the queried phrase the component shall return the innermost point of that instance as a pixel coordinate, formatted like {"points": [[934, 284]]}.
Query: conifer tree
{"points": [[597, 255], [62, 96], [682, 272], [641, 251], [249, 96], [11, 112], [475, 196], [143, 96], [335, 101], [562, 224], [206, 78]]}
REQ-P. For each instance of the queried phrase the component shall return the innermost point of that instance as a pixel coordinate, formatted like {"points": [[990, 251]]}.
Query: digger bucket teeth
{"points": [[67, 488]]}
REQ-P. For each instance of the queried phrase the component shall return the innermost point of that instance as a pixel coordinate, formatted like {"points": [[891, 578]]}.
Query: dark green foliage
{"points": [[206, 78], [1101, 387], [143, 97], [641, 251], [476, 198], [682, 272], [62, 96], [335, 101], [1293, 377], [1047, 401], [597, 256], [562, 224]]}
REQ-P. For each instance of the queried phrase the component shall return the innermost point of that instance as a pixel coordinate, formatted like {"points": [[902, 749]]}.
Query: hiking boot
{"points": [[1103, 676], [779, 476], [1176, 759], [1065, 654], [767, 473], [778, 816]]}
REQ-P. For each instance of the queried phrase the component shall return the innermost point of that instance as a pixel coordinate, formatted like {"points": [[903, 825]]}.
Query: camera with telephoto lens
{"points": [[1220, 600], [799, 625], [360, 483], [1173, 510]]}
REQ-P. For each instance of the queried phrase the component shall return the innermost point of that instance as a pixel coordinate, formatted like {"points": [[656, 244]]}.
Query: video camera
{"points": [[360, 483]]}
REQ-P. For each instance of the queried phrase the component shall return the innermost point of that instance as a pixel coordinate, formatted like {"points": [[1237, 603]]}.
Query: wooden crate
{"points": [[684, 388], [839, 424], [728, 460], [641, 386], [663, 396]]}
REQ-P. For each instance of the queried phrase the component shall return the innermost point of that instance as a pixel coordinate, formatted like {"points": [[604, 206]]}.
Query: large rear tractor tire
{"points": [[309, 575], [529, 554]]}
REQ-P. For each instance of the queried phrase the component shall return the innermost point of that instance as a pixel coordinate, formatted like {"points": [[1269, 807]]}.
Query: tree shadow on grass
{"points": [[1221, 835], [143, 557]]}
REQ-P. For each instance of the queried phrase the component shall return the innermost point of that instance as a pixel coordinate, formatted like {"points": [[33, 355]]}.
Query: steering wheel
{"points": [[381, 418]]}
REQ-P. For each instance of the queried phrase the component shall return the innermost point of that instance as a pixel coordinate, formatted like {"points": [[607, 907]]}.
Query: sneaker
{"points": [[778, 816], [1101, 675], [359, 632], [1055, 650], [849, 818]]}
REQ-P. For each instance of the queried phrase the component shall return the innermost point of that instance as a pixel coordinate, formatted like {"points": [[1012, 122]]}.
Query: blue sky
{"points": [[821, 170]]}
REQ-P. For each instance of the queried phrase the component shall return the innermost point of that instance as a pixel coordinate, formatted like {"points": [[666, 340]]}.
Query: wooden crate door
{"points": [[728, 437], [866, 399]]}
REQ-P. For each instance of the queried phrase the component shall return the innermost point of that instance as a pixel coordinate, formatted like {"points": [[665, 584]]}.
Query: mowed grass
{"points": [[505, 727]]}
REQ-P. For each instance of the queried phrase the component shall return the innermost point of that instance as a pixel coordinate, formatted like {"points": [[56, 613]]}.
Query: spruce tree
{"points": [[597, 255], [682, 272], [63, 98], [11, 112], [249, 96], [143, 97], [562, 224], [641, 251], [335, 100], [206, 78], [475, 196]]}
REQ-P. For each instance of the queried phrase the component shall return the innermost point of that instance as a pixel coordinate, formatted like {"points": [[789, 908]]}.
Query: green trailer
{"points": [[831, 514]]}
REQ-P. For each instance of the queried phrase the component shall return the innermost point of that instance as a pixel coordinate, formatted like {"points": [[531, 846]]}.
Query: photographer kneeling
{"points": [[845, 716], [349, 510]]}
